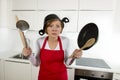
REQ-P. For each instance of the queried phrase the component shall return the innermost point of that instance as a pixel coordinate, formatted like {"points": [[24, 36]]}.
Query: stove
{"points": [[83, 74], [91, 62]]}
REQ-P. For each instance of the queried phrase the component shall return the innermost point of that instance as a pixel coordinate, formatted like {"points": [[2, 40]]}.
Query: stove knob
{"points": [[92, 75], [102, 75]]}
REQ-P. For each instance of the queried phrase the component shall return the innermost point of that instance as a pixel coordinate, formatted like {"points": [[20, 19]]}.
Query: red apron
{"points": [[52, 65]]}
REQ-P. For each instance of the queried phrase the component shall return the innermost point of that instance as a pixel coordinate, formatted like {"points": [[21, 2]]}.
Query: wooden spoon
{"points": [[89, 43], [22, 34]]}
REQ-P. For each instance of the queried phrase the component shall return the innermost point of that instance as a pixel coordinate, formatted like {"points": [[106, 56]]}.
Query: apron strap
{"points": [[60, 43], [59, 40], [44, 42]]}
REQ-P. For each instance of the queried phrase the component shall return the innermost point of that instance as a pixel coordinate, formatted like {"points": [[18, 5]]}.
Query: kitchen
{"points": [[80, 12]]}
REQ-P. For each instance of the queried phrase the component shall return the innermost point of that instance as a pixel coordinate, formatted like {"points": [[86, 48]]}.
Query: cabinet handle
{"points": [[18, 62]]}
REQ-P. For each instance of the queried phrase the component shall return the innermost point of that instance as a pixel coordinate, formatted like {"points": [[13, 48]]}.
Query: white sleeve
{"points": [[66, 47], [34, 58], [68, 52]]}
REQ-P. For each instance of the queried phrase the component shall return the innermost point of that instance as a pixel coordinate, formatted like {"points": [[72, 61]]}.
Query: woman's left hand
{"points": [[77, 53]]}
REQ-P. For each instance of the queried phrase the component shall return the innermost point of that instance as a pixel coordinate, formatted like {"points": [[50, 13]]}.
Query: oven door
{"points": [[81, 74]]}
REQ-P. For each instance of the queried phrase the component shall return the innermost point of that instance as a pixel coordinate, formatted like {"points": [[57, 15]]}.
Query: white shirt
{"points": [[39, 43]]}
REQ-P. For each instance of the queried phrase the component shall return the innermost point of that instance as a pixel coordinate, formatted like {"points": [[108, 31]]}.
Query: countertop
{"points": [[73, 65], [90, 68]]}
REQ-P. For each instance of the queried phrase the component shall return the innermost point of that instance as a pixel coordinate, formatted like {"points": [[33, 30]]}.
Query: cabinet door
{"points": [[117, 18], [29, 16], [71, 26], [24, 4], [0, 70], [96, 4], [35, 72], [70, 74], [15, 70], [0, 13], [103, 19], [58, 4], [116, 76]]}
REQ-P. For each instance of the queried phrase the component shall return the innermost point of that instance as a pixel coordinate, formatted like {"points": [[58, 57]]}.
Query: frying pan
{"points": [[90, 30], [87, 37], [22, 25]]}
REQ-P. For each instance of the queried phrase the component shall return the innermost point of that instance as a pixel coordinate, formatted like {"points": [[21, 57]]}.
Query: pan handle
{"points": [[23, 38]]}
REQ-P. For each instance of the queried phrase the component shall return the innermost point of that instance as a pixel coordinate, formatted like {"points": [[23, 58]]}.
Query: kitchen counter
{"points": [[90, 68], [74, 66], [9, 57], [116, 72], [94, 68]]}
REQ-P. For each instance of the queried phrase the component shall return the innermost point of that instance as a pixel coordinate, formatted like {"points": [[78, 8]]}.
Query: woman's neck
{"points": [[52, 39], [52, 42]]}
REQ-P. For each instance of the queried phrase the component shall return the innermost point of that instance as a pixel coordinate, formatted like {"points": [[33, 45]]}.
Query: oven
{"points": [[81, 74], [92, 74]]}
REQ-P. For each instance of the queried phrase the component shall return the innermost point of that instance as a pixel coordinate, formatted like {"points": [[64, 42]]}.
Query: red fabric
{"points": [[52, 65]]}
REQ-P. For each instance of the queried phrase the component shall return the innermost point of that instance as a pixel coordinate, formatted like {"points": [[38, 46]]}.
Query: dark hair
{"points": [[49, 19]]}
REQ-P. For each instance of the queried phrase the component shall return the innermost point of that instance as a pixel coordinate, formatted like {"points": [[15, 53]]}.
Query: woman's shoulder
{"points": [[64, 39], [41, 39]]}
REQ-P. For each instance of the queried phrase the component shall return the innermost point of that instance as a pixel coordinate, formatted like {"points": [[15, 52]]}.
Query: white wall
{"points": [[9, 41], [3, 13], [117, 17], [0, 12], [115, 55]]}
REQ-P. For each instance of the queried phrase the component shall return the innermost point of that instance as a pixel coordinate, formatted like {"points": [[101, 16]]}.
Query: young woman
{"points": [[52, 50]]}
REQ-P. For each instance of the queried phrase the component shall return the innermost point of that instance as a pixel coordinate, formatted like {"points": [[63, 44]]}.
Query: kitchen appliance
{"points": [[87, 74]]}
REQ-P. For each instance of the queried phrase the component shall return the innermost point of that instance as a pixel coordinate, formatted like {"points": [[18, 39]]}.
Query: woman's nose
{"points": [[54, 28]]}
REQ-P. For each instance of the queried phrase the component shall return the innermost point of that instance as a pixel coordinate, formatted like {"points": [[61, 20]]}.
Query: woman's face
{"points": [[54, 29]]}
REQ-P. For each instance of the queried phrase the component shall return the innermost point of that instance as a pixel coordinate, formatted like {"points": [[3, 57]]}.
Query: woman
{"points": [[52, 50]]}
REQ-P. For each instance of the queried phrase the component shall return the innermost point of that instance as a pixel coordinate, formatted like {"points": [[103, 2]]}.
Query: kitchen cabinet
{"points": [[0, 13], [116, 76], [35, 72], [71, 26], [116, 28], [16, 70], [24, 4], [96, 4], [36, 19], [0, 70], [103, 19], [29, 16], [70, 73], [58, 4]]}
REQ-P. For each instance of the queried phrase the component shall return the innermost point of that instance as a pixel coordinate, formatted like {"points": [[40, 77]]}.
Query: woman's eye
{"points": [[57, 26], [50, 26]]}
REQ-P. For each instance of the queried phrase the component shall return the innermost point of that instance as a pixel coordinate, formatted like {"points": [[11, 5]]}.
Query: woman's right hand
{"points": [[27, 51]]}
